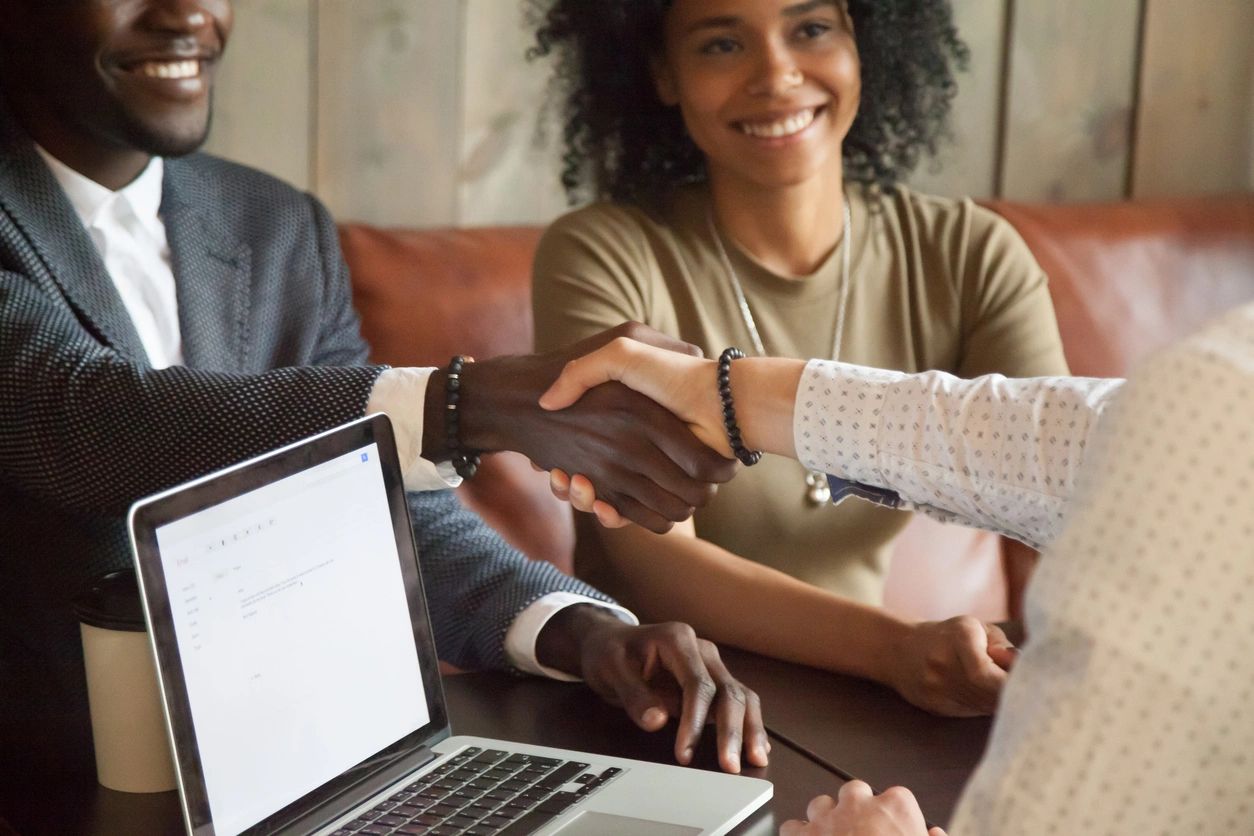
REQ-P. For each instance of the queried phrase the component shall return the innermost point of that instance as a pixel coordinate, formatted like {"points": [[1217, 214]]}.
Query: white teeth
{"points": [[781, 127], [171, 69]]}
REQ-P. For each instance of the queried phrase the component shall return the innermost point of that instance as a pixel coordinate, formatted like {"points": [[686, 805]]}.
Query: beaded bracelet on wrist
{"points": [[465, 462], [747, 457]]}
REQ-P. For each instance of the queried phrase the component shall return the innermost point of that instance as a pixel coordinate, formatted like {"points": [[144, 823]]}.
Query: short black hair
{"points": [[622, 143]]}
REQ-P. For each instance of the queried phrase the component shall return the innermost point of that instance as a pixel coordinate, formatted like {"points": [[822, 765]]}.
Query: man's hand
{"points": [[681, 381], [858, 812], [955, 668], [656, 672], [644, 462]]}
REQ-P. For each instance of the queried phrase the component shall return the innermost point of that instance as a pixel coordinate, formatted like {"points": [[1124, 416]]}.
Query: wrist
{"points": [[891, 644], [434, 445], [485, 409], [562, 640]]}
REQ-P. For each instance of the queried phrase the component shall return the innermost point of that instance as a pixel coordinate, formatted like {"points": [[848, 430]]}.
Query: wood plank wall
{"points": [[425, 113]]}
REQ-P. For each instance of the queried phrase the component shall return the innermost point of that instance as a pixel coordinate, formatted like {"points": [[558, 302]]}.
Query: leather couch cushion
{"points": [[1129, 278], [426, 295]]}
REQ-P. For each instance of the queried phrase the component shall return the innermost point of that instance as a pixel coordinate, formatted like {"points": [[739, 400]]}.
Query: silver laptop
{"points": [[299, 676]]}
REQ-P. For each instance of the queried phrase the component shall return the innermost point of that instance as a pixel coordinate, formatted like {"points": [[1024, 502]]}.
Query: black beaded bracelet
{"points": [[747, 457], [465, 462]]}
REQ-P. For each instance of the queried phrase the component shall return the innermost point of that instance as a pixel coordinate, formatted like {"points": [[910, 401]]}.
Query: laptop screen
{"points": [[298, 657]]}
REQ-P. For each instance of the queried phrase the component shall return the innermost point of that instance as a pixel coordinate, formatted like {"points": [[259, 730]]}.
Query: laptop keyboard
{"points": [[483, 791]]}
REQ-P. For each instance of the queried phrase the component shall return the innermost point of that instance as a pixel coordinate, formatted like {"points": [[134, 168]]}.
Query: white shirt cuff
{"points": [[520, 639], [402, 394]]}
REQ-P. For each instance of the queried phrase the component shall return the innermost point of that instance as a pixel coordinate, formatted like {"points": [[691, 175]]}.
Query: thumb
{"points": [[582, 374], [1004, 655]]}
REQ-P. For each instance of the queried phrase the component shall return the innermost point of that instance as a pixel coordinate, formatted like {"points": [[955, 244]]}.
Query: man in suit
{"points": [[164, 313]]}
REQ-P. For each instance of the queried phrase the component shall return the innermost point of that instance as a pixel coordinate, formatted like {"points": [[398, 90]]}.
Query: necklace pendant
{"points": [[818, 492]]}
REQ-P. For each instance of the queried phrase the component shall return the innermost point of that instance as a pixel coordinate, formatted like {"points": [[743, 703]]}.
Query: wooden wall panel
{"points": [[1196, 127], [262, 99], [1072, 77], [967, 164], [423, 112], [510, 162], [389, 110]]}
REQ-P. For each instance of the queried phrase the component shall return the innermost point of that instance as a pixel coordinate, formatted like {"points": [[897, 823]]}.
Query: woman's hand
{"points": [[681, 383], [955, 668], [858, 812]]}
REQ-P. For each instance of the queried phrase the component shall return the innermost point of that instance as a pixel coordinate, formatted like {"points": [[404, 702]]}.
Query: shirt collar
{"points": [[91, 200]]}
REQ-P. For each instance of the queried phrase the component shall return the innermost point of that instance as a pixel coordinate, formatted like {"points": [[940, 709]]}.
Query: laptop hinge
{"points": [[369, 786]]}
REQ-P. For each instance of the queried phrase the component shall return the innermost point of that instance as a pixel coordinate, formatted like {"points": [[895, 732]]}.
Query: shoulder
{"points": [[601, 237], [1217, 361], [972, 243], [957, 223], [239, 196], [616, 226]]}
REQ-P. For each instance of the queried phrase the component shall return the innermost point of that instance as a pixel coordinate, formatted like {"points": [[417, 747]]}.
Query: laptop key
{"points": [[562, 774], [558, 802], [489, 756], [529, 823], [443, 810], [390, 821]]}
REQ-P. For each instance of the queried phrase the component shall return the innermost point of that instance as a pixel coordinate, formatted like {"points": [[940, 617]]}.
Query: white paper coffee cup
{"points": [[127, 723]]}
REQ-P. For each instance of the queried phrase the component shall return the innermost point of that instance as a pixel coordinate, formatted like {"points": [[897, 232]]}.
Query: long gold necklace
{"points": [[817, 492]]}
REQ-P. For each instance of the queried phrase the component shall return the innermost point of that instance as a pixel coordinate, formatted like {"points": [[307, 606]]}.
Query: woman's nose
{"points": [[778, 73]]}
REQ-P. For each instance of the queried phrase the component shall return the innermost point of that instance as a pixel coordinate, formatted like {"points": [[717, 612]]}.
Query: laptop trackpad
{"points": [[590, 823]]}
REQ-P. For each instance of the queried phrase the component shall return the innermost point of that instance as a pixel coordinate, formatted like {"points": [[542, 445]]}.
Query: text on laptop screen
{"points": [[297, 648]]}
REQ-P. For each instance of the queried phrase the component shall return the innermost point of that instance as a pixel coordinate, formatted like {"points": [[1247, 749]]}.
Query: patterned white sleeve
{"points": [[1130, 709], [992, 452]]}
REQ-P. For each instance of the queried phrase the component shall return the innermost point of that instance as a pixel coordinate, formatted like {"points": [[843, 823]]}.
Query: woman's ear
{"points": [[664, 81]]}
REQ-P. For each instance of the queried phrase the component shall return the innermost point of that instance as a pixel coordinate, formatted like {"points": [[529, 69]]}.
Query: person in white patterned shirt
{"points": [[1131, 710]]}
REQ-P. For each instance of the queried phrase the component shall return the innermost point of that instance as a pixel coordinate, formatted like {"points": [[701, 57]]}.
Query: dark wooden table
{"points": [[487, 704], [862, 730]]}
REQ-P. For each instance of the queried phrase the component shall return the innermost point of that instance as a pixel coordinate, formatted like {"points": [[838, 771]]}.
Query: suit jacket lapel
{"points": [[212, 269], [34, 201]]}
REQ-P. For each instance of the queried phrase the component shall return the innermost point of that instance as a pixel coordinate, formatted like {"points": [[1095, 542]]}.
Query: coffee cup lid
{"points": [[111, 602]]}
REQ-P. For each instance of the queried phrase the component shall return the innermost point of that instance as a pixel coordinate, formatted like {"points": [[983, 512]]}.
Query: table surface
{"points": [[859, 729], [529, 710], [824, 729]]}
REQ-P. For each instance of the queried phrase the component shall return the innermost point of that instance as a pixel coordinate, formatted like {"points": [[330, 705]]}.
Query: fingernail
{"points": [[653, 717], [733, 762], [759, 754], [686, 755]]}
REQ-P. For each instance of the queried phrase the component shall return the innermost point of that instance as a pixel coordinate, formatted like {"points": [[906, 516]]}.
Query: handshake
{"points": [[635, 414]]}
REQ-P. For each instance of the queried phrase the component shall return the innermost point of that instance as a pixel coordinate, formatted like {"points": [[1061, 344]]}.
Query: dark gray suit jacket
{"points": [[272, 353]]}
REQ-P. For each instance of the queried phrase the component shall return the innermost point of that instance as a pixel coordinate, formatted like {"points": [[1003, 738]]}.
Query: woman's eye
{"points": [[813, 29], [719, 46]]}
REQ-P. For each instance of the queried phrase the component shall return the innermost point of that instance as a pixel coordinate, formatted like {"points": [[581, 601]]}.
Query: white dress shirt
{"points": [[1131, 710], [128, 232]]}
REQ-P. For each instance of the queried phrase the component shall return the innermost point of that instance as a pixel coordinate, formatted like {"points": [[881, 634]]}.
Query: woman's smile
{"points": [[788, 125]]}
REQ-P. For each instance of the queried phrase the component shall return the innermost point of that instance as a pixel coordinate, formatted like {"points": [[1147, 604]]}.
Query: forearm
{"points": [[747, 605], [992, 452]]}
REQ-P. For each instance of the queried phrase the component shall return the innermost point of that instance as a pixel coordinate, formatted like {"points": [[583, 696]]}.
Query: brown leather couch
{"points": [[1126, 279]]}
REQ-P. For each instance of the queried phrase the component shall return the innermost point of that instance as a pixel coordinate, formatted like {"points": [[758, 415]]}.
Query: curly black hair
{"points": [[623, 144]]}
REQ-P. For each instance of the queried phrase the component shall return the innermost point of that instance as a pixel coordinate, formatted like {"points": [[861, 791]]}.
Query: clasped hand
{"points": [[645, 462]]}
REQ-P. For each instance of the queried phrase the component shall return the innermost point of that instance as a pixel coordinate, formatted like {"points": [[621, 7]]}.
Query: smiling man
{"points": [[164, 313]]}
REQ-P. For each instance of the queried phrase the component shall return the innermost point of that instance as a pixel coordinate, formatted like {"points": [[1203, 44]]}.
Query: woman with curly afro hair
{"points": [[747, 159]]}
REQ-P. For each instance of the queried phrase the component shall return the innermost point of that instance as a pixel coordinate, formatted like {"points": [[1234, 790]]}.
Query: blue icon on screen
{"points": [[365, 457]]}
